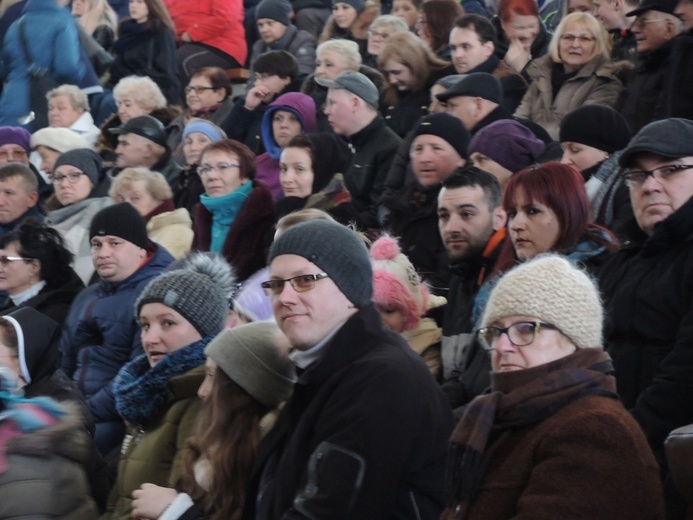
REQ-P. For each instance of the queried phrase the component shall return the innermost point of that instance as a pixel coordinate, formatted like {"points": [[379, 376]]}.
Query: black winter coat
{"points": [[363, 437], [648, 291], [678, 98]]}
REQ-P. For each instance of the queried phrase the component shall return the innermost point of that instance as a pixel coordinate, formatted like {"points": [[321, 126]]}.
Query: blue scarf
{"points": [[224, 210], [141, 391]]}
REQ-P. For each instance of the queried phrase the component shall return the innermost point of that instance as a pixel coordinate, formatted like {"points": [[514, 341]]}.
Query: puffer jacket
{"points": [[595, 82], [101, 334]]}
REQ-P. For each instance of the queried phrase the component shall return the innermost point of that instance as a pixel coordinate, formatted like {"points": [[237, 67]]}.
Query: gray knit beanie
{"points": [[250, 356], [359, 5], [335, 249], [84, 160], [555, 291], [278, 10], [198, 291]]}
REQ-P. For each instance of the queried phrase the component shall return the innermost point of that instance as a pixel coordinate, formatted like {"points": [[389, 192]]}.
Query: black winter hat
{"points": [[278, 10], [598, 126], [448, 128], [477, 84], [121, 220]]}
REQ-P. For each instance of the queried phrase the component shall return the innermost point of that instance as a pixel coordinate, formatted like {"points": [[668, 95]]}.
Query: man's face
{"points": [[607, 12], [651, 31], [684, 10], [114, 258], [465, 221], [270, 30], [464, 108], [13, 153], [132, 151], [433, 159], [339, 109], [15, 199], [658, 198], [307, 317], [467, 51]]}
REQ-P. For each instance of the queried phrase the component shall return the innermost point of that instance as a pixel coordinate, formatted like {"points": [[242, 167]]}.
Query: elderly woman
{"points": [[577, 71], [551, 440], [436, 20], [521, 33], [81, 190], [411, 69], [152, 197], [50, 143], [68, 107], [235, 215], [380, 30], [35, 271]]}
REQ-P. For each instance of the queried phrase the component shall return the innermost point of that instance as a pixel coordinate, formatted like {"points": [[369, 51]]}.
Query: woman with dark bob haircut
{"points": [[35, 271], [435, 23], [235, 214]]}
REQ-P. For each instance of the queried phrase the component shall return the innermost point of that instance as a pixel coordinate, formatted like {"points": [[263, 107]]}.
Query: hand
{"points": [[185, 37], [518, 54], [149, 501], [255, 96]]}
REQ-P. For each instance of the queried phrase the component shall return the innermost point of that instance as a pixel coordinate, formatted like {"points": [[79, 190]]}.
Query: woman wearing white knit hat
{"points": [[551, 439]]}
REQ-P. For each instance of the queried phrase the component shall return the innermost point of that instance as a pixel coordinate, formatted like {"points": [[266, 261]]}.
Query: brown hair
{"points": [[440, 19], [246, 158], [217, 78]]}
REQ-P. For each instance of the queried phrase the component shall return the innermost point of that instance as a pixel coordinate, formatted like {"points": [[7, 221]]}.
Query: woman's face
{"points": [[485, 163], [164, 331], [548, 345], [70, 191], [580, 6], [16, 276], [329, 65], [206, 387], [533, 227], [138, 10], [128, 107], [392, 317], [406, 10], [200, 94], [194, 143], [576, 47], [61, 113], [581, 156], [139, 196], [377, 37], [48, 158], [220, 173], [398, 75], [77, 7], [523, 28], [421, 28], [344, 15], [285, 126], [296, 172], [9, 359]]}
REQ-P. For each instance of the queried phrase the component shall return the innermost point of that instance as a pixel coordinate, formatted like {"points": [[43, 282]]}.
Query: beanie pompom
{"points": [[386, 248]]}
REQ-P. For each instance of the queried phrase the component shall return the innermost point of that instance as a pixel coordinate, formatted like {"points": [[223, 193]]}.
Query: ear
{"points": [[499, 217], [33, 198], [489, 49]]}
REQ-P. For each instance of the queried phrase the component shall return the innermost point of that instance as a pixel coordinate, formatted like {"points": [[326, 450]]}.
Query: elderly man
{"points": [[142, 141], [648, 285], [101, 333], [365, 433], [352, 111]]}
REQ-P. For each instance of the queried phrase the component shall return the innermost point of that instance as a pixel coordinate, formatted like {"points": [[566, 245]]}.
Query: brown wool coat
{"points": [[589, 461]]}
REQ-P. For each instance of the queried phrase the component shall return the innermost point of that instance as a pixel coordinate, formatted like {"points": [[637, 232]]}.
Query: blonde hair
{"points": [[347, 49], [156, 183], [601, 39], [145, 92], [96, 13]]}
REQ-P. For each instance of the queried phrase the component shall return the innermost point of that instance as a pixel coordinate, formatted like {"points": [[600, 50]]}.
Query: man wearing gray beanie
{"points": [[364, 405]]}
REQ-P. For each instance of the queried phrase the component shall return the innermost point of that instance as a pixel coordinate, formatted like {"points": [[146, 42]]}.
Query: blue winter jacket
{"points": [[101, 334]]}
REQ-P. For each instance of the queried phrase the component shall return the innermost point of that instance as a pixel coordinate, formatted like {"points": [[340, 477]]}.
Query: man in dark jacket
{"points": [[351, 110], [364, 435], [648, 285], [679, 81], [472, 225], [101, 333]]}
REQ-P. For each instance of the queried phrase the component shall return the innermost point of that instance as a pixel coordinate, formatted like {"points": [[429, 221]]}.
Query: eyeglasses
{"points": [[13, 154], [379, 35], [582, 38], [219, 168], [71, 177], [636, 178], [5, 260], [300, 283], [198, 90], [520, 334], [640, 22]]}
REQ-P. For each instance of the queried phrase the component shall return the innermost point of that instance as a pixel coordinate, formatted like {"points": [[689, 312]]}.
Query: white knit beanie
{"points": [[552, 289]]}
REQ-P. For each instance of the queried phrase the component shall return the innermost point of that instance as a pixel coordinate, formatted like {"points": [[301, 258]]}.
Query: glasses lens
{"points": [[272, 287], [522, 333], [303, 283], [4, 260], [486, 337], [635, 178]]}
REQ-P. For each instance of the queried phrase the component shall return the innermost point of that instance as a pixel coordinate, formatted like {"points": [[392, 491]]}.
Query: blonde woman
{"points": [[98, 19]]}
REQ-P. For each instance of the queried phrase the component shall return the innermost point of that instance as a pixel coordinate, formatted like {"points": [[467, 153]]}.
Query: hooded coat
{"points": [[303, 107]]}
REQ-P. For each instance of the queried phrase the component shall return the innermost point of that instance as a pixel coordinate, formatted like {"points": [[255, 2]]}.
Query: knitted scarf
{"points": [[224, 210], [521, 398], [141, 391]]}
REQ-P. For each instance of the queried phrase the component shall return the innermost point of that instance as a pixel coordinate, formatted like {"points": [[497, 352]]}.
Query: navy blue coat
{"points": [[101, 334]]}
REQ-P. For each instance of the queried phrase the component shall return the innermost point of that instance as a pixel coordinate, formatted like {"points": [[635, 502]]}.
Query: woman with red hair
{"points": [[521, 33]]}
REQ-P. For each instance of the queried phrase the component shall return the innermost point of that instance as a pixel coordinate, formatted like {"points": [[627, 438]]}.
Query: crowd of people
{"points": [[345, 259]]}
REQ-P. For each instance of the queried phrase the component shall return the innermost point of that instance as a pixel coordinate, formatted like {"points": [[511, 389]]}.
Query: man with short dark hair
{"points": [[364, 435], [18, 196], [472, 47], [101, 332]]}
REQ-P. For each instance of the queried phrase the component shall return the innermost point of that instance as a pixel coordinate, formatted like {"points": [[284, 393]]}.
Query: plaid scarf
{"points": [[521, 398]]}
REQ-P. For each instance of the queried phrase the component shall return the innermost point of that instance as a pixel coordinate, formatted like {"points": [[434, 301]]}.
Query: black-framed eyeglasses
{"points": [[197, 89], [71, 177], [636, 178], [300, 283], [5, 260], [520, 334]]}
